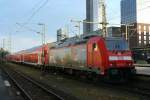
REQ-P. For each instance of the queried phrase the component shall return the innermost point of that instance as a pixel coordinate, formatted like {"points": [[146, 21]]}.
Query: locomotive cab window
{"points": [[94, 46], [116, 44]]}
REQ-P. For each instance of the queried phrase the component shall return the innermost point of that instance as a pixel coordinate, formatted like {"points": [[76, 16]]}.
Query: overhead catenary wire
{"points": [[30, 29], [36, 5], [33, 8], [34, 13], [37, 10]]}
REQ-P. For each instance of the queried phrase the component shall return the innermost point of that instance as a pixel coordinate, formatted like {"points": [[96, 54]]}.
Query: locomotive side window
{"points": [[94, 46]]}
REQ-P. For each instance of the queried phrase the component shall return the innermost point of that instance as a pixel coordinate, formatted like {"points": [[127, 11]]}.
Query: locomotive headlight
{"points": [[114, 58], [111, 58], [127, 58]]}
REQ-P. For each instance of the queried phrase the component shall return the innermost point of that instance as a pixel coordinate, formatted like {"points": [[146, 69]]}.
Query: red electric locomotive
{"points": [[90, 54], [109, 57]]}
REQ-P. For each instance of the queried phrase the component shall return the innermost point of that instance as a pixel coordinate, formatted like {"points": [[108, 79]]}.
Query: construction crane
{"points": [[104, 23]]}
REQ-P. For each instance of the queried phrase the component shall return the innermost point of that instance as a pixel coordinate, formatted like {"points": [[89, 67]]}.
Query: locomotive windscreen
{"points": [[116, 44]]}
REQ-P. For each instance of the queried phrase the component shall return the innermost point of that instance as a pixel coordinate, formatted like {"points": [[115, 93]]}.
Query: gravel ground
{"points": [[81, 90], [142, 81]]}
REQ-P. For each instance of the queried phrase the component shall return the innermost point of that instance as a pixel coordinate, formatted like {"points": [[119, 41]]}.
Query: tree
{"points": [[3, 53]]}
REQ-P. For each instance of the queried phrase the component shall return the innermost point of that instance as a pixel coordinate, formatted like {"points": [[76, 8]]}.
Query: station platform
{"points": [[143, 70], [6, 92]]}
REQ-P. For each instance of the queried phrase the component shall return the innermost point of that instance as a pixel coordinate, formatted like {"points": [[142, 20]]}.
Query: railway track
{"points": [[130, 87], [30, 89], [143, 91]]}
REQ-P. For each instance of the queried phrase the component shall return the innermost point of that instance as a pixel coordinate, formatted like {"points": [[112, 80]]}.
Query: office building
{"points": [[62, 33], [114, 31], [136, 12], [92, 15]]}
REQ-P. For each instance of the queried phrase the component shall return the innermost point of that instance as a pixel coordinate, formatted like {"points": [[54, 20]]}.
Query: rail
{"points": [[132, 88], [30, 89]]}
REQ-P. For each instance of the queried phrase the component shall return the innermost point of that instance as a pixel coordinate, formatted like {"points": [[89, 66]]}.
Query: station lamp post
{"points": [[42, 33]]}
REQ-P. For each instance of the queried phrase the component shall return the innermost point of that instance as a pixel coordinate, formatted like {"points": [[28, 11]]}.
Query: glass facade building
{"points": [[92, 14], [136, 12], [128, 11]]}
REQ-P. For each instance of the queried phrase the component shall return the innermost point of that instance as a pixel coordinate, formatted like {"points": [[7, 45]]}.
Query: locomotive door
{"points": [[91, 59], [94, 50]]}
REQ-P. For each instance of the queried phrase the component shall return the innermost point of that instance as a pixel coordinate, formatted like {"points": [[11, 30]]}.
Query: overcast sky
{"points": [[55, 14]]}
